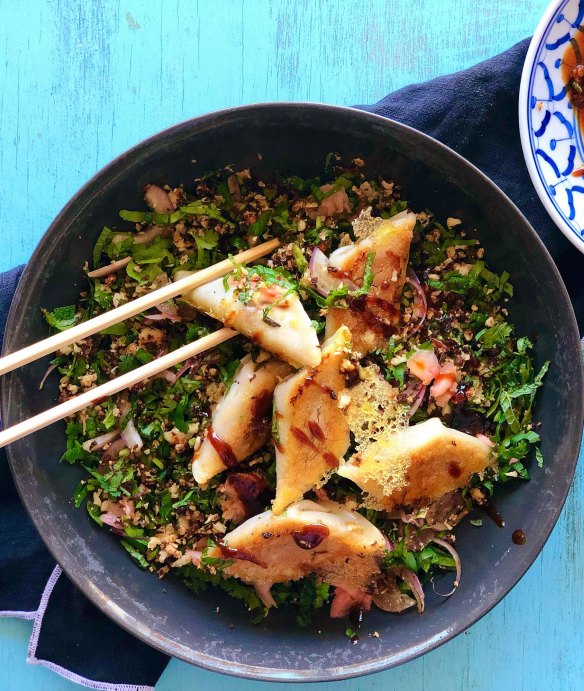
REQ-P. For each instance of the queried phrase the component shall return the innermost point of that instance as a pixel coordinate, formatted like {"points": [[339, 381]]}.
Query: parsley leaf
{"points": [[61, 318]]}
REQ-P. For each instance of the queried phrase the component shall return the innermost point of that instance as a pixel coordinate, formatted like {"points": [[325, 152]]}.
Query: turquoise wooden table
{"points": [[81, 81]]}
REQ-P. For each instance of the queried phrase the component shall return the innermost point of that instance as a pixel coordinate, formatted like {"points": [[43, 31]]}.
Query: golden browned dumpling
{"points": [[242, 420], [416, 465], [324, 538], [310, 431], [286, 330], [371, 317]]}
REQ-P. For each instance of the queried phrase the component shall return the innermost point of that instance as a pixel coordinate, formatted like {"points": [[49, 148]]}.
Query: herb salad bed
{"points": [[148, 497]]}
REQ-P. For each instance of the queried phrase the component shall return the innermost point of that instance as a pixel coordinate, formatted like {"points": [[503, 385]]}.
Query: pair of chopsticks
{"points": [[103, 321]]}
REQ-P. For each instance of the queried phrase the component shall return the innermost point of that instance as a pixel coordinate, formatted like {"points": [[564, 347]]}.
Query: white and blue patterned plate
{"points": [[550, 136]]}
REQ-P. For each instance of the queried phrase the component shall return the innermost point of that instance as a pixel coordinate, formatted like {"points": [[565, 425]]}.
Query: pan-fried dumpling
{"points": [[370, 318], [310, 431], [242, 420], [340, 546], [266, 313], [417, 465]]}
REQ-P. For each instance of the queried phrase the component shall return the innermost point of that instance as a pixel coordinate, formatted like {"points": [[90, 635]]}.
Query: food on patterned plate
{"points": [[376, 393]]}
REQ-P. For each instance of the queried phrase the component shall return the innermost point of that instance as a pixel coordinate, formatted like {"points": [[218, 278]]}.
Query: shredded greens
{"points": [[147, 496]]}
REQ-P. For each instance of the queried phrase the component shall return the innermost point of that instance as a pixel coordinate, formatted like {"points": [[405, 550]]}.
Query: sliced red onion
{"points": [[323, 280], [163, 350], [388, 595], [415, 586], [131, 437], [194, 555], [388, 543], [113, 449], [167, 375], [187, 365], [50, 369], [150, 234], [165, 312], [409, 518], [264, 594], [124, 407], [417, 400], [110, 268], [113, 521], [485, 439], [420, 302], [97, 443], [169, 311], [155, 317], [454, 554]]}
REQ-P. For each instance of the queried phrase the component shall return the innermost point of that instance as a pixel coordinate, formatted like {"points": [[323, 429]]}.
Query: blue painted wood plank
{"points": [[82, 81]]}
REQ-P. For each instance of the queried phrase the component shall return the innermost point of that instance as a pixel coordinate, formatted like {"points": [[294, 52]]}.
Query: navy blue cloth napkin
{"points": [[473, 112]]}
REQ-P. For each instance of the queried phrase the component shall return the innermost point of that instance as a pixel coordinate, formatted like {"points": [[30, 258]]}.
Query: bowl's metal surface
{"points": [[294, 138]]}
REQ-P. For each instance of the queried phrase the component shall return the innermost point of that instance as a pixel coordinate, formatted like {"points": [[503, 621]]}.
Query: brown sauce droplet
{"points": [[379, 314], [316, 430], [454, 469], [223, 449], [330, 459], [339, 273], [519, 537], [240, 554], [261, 412], [494, 515], [302, 437], [310, 536]]}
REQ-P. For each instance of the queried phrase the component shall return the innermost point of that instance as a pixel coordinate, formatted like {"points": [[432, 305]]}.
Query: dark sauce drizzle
{"points": [[240, 554], [519, 537], [494, 515], [310, 536], [223, 449]]}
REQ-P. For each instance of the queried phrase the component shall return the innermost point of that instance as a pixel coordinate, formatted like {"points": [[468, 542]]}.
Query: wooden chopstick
{"points": [[94, 396], [130, 309]]}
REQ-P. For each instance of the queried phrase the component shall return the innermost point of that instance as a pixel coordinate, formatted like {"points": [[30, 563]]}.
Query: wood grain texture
{"points": [[82, 81]]}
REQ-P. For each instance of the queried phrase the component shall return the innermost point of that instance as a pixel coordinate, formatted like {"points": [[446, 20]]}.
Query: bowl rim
{"points": [[203, 660], [527, 75]]}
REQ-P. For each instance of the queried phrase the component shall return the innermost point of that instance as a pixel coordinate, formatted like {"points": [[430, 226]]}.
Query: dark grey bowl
{"points": [[294, 138]]}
